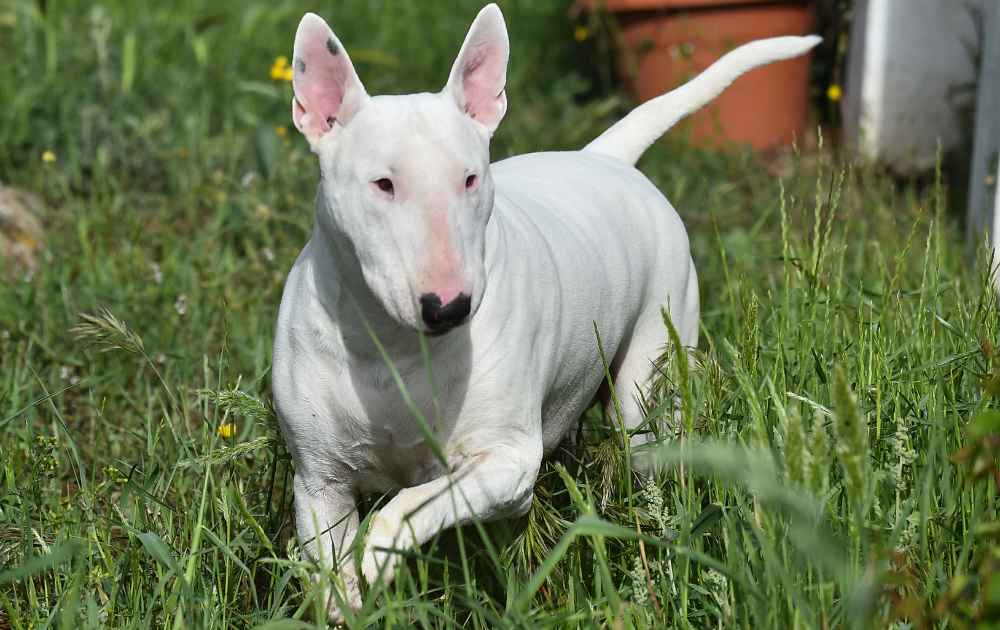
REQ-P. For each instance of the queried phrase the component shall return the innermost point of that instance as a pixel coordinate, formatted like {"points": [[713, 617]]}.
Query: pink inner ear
{"points": [[323, 74], [483, 83], [298, 114]]}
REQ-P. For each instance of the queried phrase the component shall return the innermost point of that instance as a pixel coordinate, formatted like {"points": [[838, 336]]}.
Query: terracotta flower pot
{"points": [[671, 41]]}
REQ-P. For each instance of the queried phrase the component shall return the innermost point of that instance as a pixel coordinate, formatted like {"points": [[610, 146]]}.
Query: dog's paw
{"points": [[385, 538], [346, 597]]}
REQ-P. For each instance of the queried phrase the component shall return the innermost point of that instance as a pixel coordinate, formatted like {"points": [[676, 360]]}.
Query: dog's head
{"points": [[406, 179]]}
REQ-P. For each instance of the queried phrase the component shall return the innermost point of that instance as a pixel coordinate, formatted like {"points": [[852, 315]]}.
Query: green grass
{"points": [[831, 466]]}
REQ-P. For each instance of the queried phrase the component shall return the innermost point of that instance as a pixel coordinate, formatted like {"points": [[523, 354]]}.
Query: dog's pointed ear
{"points": [[327, 89], [479, 75]]}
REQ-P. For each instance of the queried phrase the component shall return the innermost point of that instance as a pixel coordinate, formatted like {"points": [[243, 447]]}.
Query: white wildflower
{"points": [[902, 447], [68, 373], [718, 585], [653, 497], [181, 305], [715, 581], [908, 536], [637, 576]]}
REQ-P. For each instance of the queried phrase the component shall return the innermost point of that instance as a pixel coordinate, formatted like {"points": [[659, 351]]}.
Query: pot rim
{"points": [[622, 6]]}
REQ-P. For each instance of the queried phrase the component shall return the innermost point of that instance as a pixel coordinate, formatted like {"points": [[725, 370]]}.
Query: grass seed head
{"points": [[106, 332], [795, 448], [852, 442], [818, 460]]}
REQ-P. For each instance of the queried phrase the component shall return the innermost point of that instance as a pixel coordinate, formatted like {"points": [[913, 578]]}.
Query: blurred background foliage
{"points": [[120, 91]]}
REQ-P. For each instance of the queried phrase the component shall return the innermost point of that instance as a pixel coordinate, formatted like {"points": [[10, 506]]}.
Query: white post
{"points": [[911, 74], [996, 230], [984, 180]]}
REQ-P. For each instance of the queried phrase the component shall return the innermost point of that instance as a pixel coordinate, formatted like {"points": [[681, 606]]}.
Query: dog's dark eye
{"points": [[470, 182], [385, 185]]}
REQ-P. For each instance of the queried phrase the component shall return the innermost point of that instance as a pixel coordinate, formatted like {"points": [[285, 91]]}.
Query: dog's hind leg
{"points": [[635, 365], [633, 372]]}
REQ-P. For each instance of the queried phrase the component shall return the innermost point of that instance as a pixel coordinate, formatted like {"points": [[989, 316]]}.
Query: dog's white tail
{"points": [[629, 138]]}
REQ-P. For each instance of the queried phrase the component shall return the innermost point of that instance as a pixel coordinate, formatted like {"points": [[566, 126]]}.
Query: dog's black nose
{"points": [[440, 319]]}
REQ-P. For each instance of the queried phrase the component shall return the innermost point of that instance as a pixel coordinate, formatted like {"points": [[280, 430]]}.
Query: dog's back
{"points": [[588, 241]]}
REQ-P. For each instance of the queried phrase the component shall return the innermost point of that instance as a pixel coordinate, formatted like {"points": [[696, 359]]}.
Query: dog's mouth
{"points": [[441, 331]]}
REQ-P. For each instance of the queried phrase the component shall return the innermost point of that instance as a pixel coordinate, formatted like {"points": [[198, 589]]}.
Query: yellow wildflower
{"points": [[227, 430], [48, 157], [581, 33], [834, 93], [281, 131], [280, 70]]}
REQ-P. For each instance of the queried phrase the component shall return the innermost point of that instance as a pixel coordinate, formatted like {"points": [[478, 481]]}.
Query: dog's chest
{"points": [[379, 432]]}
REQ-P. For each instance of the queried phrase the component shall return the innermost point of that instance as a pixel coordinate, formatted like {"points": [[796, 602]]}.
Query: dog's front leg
{"points": [[326, 520], [494, 482]]}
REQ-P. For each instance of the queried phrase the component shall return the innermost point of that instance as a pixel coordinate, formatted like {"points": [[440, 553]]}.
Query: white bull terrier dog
{"points": [[500, 272]]}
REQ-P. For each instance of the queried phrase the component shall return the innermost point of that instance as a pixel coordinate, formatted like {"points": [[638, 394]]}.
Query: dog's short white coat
{"points": [[547, 245]]}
